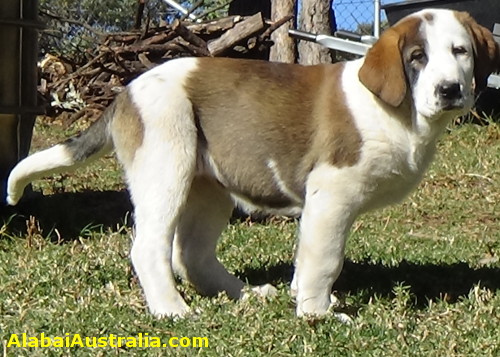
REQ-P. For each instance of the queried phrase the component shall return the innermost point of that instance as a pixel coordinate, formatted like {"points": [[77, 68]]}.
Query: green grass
{"points": [[421, 278]]}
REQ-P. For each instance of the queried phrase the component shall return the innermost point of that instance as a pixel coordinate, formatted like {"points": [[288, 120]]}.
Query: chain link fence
{"points": [[357, 15]]}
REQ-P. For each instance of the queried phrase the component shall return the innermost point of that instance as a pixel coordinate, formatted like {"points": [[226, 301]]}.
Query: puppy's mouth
{"points": [[452, 96], [453, 106]]}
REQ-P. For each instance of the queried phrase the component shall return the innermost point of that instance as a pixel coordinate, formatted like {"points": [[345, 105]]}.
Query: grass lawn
{"points": [[421, 278]]}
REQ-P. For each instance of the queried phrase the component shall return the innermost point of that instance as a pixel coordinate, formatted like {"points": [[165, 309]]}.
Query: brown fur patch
{"points": [[429, 17], [251, 112], [383, 71], [127, 128], [486, 50], [336, 140]]}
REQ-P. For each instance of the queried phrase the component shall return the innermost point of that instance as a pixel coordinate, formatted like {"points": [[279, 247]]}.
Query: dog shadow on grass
{"points": [[72, 213], [425, 281], [69, 213]]}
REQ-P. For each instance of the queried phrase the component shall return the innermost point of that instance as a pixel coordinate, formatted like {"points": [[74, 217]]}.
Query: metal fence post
{"points": [[376, 18], [18, 81]]}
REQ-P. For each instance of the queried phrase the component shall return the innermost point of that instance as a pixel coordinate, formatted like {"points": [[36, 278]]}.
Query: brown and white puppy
{"points": [[198, 135]]}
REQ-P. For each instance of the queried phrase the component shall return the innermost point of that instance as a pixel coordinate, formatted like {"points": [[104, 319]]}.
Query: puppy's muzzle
{"points": [[450, 95]]}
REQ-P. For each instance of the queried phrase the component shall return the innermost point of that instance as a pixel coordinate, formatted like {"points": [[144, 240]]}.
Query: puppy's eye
{"points": [[459, 50], [417, 55]]}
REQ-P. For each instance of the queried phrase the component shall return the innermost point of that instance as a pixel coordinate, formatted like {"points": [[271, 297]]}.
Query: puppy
{"points": [[198, 135]]}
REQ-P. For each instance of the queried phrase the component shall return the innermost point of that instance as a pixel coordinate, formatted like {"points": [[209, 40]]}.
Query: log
{"points": [[145, 61], [215, 26], [239, 32], [198, 44]]}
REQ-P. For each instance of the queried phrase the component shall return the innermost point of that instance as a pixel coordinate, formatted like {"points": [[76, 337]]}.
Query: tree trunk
{"points": [[250, 7], [314, 17], [138, 15], [283, 49]]}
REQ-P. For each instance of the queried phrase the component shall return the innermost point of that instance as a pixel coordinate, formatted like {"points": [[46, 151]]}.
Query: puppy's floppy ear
{"points": [[486, 50], [383, 71]]}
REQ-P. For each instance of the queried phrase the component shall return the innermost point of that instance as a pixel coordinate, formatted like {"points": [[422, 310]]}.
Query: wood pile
{"points": [[121, 57]]}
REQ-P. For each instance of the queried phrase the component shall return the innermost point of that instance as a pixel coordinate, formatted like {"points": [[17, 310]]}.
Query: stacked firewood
{"points": [[121, 57]]}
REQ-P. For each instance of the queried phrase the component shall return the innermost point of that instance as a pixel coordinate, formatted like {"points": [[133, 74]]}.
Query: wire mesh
{"points": [[354, 15]]}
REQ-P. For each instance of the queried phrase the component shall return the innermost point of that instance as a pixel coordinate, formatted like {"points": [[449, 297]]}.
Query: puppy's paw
{"points": [[335, 303], [175, 311], [266, 291], [317, 313], [343, 318]]}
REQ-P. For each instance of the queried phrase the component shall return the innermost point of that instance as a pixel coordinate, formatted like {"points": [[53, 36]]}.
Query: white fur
{"points": [[445, 33], [38, 165], [332, 204], [159, 179], [273, 166], [395, 152]]}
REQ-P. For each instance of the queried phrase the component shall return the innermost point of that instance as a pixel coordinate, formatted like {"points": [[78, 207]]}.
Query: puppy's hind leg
{"points": [[159, 179], [204, 217]]}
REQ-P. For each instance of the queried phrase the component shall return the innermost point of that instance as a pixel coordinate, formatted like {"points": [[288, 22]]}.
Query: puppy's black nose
{"points": [[449, 90]]}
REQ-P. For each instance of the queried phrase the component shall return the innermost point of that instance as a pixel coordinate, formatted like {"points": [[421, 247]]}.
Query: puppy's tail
{"points": [[91, 144]]}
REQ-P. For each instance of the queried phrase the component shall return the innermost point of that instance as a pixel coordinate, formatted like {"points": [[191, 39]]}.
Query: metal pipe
{"points": [[181, 9], [376, 18], [336, 43]]}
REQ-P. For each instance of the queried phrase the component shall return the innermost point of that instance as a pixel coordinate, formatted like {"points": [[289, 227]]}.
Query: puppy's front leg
{"points": [[328, 214]]}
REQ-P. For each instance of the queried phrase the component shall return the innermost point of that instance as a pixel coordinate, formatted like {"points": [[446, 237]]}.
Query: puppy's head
{"points": [[438, 57]]}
